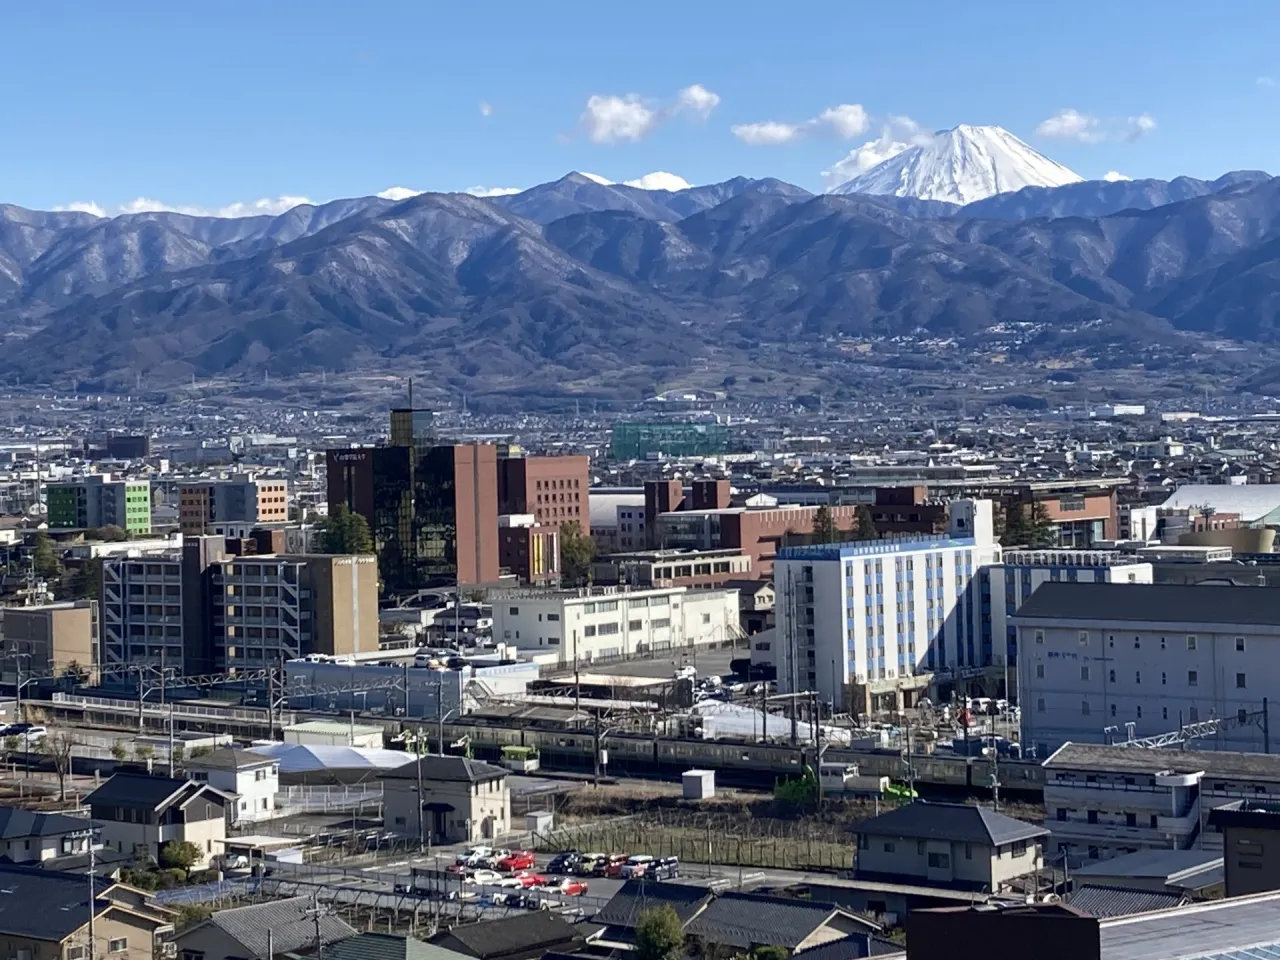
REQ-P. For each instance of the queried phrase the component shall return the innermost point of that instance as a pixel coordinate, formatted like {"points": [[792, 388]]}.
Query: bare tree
{"points": [[59, 744]]}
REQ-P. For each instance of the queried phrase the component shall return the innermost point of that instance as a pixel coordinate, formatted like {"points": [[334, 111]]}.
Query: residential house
{"points": [[520, 937], [251, 777], [948, 844], [261, 930], [144, 813], [737, 922], [30, 837], [44, 915], [387, 946], [462, 800]]}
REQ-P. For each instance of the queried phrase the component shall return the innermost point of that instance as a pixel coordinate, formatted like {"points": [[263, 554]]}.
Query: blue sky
{"points": [[207, 105]]}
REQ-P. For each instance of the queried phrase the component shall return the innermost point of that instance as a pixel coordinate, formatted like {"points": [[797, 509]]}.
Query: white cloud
{"points": [[899, 133], [1071, 125], [399, 193], [766, 133], [265, 207], [1265, 82], [697, 99], [82, 207], [1140, 126], [486, 108], [608, 118], [493, 191], [1115, 176], [848, 120], [659, 180], [845, 121]]}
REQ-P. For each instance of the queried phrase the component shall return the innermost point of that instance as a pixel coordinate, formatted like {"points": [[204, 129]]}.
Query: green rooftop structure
{"points": [[639, 441]]}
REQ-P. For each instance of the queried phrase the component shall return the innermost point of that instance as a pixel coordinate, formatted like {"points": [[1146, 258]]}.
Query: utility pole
{"points": [[417, 753], [93, 896], [171, 741]]}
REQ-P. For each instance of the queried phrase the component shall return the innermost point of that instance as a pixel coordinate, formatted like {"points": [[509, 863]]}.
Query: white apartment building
{"points": [[1102, 660], [1103, 801], [1022, 571], [559, 626], [867, 624]]}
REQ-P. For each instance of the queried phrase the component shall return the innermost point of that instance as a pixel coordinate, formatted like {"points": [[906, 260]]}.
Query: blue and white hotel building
{"points": [[874, 624]]}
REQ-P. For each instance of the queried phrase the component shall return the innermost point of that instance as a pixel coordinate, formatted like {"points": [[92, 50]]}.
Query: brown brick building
{"points": [[554, 490]]}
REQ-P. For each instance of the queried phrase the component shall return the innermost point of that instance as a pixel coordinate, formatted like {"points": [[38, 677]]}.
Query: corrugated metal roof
{"points": [[1100, 900]]}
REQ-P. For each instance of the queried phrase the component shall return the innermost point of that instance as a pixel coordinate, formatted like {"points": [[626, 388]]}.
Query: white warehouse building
{"points": [[870, 625], [561, 626], [1099, 657]]}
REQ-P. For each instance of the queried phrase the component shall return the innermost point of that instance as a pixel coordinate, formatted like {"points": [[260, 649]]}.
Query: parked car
{"points": [[484, 876], [566, 886], [515, 861], [664, 868], [635, 866], [564, 862], [490, 862], [612, 867], [528, 879], [586, 867], [471, 855]]}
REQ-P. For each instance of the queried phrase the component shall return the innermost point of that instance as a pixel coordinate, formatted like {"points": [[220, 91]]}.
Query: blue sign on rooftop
{"points": [[864, 548]]}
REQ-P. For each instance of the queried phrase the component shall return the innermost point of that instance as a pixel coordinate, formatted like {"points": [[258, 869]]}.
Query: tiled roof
{"points": [[451, 769], [745, 920], [956, 822], [1100, 900], [637, 896], [516, 934], [292, 926], [16, 823]]}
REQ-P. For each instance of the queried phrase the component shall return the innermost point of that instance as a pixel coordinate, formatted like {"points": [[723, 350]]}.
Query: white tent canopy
{"points": [[316, 758]]}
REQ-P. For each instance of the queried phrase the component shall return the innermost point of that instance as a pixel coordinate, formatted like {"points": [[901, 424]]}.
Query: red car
{"points": [[566, 886], [531, 880], [613, 866], [516, 860]]}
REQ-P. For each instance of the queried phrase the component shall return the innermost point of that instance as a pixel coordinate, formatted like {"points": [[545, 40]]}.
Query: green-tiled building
{"points": [[99, 501]]}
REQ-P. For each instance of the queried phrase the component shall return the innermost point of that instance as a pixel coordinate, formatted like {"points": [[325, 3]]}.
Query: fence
{"points": [[727, 842], [329, 799]]}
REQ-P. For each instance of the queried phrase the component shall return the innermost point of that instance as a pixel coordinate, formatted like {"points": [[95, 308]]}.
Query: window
{"points": [[1137, 643], [968, 851], [1164, 678], [1240, 684], [1191, 641], [1084, 638], [1111, 676], [920, 848], [888, 848], [1039, 671], [514, 611], [1092, 816], [1113, 709], [1239, 644], [634, 624], [1193, 678], [1084, 673], [706, 618], [553, 617], [1084, 708], [1164, 713], [1162, 643], [1062, 814], [1139, 711], [1019, 848], [939, 861], [1040, 636], [75, 953], [1130, 819], [119, 945]]}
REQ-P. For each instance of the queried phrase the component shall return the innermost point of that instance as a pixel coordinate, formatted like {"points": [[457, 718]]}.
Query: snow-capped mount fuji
{"points": [[961, 165]]}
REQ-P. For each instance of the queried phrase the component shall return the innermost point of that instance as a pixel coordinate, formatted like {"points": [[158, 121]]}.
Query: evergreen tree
{"points": [[577, 550], [824, 527], [346, 532], [44, 558], [659, 934], [865, 526]]}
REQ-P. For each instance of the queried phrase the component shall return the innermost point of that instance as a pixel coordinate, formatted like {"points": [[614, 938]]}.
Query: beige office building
{"points": [[49, 638], [206, 507]]}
